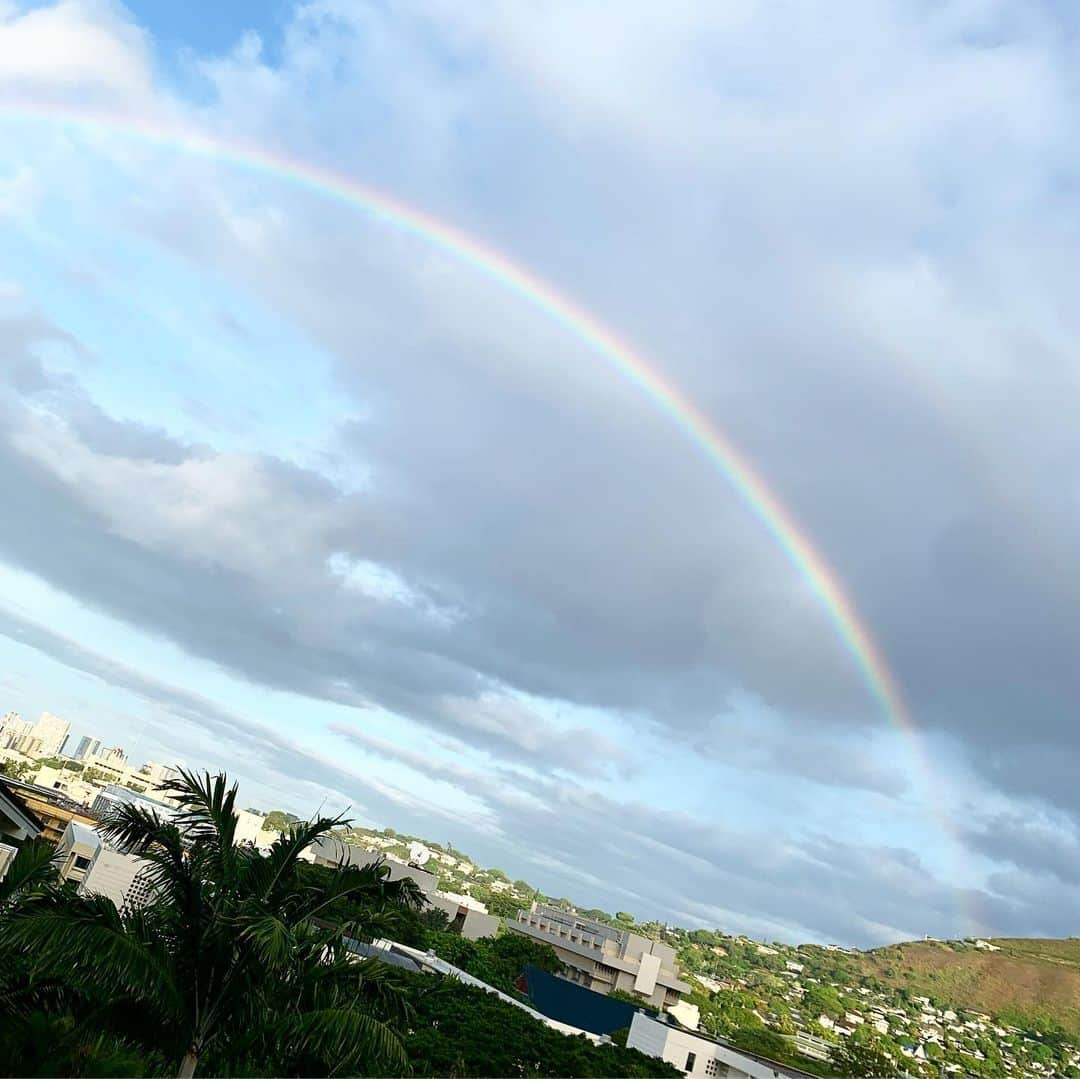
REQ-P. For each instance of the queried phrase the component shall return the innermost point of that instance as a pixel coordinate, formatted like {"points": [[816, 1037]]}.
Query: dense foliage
{"points": [[227, 968], [238, 964], [462, 1031], [499, 961]]}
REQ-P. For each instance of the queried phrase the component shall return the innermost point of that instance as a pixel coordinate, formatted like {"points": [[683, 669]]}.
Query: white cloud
{"points": [[81, 45]]}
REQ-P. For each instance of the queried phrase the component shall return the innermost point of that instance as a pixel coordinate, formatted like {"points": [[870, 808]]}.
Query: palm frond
{"points": [[90, 944], [343, 1038], [280, 863], [32, 870]]}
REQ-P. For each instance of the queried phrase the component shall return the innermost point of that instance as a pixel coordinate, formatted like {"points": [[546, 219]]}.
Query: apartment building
{"points": [[118, 876], [84, 857], [13, 729], [603, 958], [76, 851]]}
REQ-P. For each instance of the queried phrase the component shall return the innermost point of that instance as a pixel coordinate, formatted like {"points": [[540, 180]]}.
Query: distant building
{"points": [[87, 747], [329, 851], [700, 1057], [50, 733], [249, 825], [810, 1045], [466, 915], [13, 729], [688, 1015], [602, 958], [157, 774], [68, 782], [114, 795]]}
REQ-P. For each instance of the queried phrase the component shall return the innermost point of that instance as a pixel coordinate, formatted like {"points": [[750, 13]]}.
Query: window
{"points": [[691, 1059], [716, 1068]]}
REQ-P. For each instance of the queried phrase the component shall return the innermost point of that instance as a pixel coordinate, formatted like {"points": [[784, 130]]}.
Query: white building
{"points": [[700, 1057], [466, 914], [249, 826], [156, 773], [13, 729], [68, 782], [76, 851], [118, 876], [84, 858], [46, 737]]}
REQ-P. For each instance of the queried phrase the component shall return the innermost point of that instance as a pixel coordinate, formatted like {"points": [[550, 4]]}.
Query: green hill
{"points": [[1030, 983]]}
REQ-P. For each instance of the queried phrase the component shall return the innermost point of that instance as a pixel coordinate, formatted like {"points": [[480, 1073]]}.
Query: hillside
{"points": [[923, 1004], [1031, 983]]}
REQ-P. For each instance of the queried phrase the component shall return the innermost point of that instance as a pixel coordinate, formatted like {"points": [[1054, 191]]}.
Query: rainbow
{"points": [[619, 354], [622, 357]]}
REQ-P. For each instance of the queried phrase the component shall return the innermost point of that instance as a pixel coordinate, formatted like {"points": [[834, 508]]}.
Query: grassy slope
{"points": [[1026, 981]]}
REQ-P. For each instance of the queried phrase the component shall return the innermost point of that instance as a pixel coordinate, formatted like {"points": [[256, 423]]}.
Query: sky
{"points": [[297, 493]]}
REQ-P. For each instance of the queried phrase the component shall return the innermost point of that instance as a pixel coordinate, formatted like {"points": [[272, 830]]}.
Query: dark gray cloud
{"points": [[1034, 845]]}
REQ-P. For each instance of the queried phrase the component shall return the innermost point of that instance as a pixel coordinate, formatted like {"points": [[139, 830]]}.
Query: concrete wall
{"points": [[112, 875], [248, 826], [479, 925]]}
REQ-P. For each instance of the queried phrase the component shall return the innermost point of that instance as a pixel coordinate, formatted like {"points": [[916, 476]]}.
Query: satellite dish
{"points": [[418, 854]]}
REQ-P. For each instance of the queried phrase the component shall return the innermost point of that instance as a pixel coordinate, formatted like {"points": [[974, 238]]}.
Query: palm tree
{"points": [[237, 961]]}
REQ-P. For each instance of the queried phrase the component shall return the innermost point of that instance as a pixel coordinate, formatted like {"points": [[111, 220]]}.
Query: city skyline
{"points": [[633, 448]]}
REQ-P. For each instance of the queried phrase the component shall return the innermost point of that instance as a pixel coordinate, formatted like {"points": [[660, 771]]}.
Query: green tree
{"points": [[464, 1031], [277, 820], [20, 770], [230, 965], [864, 1061], [505, 906], [499, 961], [822, 1000]]}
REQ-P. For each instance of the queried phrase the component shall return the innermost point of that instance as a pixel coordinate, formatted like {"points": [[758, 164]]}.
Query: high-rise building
{"points": [[50, 733], [87, 747], [13, 728]]}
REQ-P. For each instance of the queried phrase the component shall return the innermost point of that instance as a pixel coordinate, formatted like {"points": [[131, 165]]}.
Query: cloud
{"points": [[840, 236], [1034, 845], [82, 45]]}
